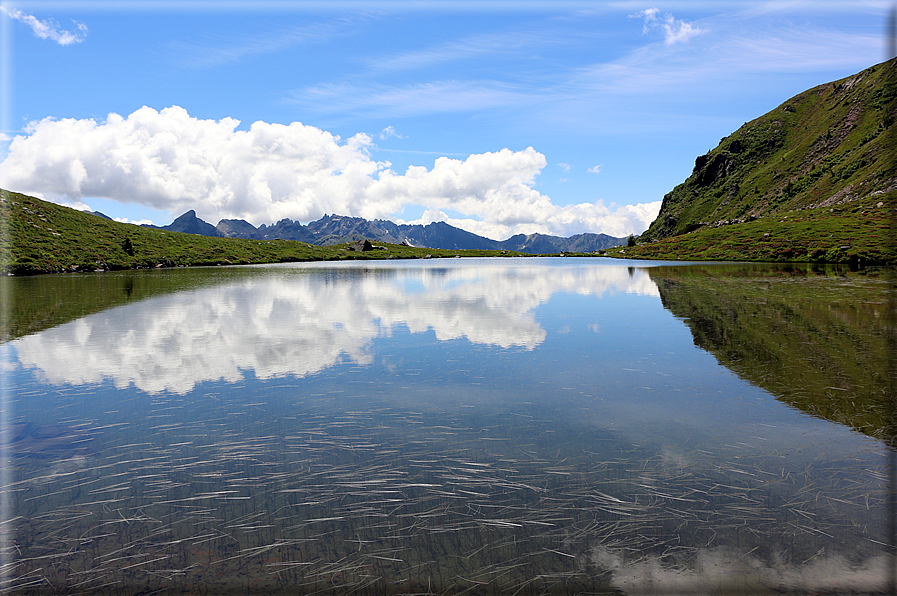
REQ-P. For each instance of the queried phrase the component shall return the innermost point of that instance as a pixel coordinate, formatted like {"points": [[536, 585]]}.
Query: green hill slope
{"points": [[42, 237], [825, 157]]}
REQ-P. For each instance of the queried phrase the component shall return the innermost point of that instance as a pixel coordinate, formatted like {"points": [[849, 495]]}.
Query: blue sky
{"points": [[498, 117]]}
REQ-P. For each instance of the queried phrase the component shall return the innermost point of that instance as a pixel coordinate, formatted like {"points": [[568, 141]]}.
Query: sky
{"points": [[498, 117]]}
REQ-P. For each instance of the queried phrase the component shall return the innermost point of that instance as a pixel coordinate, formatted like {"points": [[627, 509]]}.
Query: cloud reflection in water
{"points": [[302, 320]]}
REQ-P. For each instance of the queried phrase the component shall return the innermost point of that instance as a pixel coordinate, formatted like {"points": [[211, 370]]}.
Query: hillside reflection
{"points": [[302, 320], [819, 343]]}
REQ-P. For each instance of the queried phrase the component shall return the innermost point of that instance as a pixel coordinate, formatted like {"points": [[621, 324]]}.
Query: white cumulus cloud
{"points": [[48, 29], [170, 161], [675, 30], [389, 131], [136, 222]]}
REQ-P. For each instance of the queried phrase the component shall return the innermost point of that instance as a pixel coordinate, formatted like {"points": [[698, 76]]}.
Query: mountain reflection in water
{"points": [[519, 426], [817, 342]]}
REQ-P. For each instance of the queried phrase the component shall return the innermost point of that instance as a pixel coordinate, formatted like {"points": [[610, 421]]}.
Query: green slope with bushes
{"points": [[42, 237], [813, 180]]}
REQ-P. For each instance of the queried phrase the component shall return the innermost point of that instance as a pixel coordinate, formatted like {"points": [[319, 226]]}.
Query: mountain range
{"points": [[812, 181], [340, 229]]}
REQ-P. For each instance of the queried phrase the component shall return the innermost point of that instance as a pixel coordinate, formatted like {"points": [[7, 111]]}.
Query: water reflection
{"points": [[520, 427], [304, 320], [819, 343]]}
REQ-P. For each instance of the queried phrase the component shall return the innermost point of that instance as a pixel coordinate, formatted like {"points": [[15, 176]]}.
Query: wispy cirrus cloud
{"points": [[737, 54], [48, 29], [214, 52], [411, 99], [729, 50], [494, 45]]}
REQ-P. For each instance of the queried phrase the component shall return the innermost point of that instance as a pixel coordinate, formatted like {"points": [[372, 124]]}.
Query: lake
{"points": [[482, 426]]}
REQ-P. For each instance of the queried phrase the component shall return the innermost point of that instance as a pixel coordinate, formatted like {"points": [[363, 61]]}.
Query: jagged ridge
{"points": [[339, 229]]}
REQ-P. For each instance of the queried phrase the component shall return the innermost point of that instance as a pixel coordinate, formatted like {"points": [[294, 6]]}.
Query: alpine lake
{"points": [[460, 426]]}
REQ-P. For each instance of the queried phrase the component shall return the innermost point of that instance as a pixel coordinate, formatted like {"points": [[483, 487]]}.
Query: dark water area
{"points": [[488, 426]]}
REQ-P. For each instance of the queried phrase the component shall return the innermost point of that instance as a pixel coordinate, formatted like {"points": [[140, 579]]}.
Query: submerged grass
{"points": [[215, 496]]}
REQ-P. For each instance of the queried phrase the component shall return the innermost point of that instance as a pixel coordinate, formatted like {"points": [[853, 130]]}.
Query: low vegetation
{"points": [[42, 237], [860, 234]]}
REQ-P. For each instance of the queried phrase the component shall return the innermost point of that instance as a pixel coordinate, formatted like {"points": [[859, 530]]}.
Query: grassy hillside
{"points": [[861, 234], [815, 174], [42, 237]]}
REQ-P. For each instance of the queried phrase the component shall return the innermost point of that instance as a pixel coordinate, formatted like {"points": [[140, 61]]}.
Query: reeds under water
{"points": [[321, 494]]}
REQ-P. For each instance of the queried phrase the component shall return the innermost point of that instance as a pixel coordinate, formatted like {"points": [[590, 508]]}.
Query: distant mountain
{"points": [[544, 244], [190, 224], [339, 229], [442, 235], [236, 228]]}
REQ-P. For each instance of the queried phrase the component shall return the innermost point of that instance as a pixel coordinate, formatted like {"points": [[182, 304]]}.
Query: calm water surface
{"points": [[516, 426]]}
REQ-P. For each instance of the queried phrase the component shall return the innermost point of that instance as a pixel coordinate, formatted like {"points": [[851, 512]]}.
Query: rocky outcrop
{"points": [[237, 228]]}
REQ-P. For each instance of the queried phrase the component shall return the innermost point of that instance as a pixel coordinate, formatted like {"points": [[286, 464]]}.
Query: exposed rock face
{"points": [[237, 228], [287, 229], [709, 169]]}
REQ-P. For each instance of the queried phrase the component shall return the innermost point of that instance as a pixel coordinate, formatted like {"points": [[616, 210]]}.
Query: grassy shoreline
{"points": [[42, 237], [860, 233]]}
